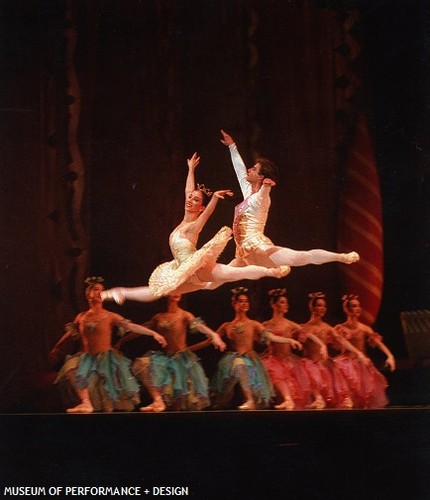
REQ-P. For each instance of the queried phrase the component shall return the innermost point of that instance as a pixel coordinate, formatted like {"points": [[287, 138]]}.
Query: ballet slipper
{"points": [[351, 257], [248, 405], [318, 404], [285, 270], [113, 294], [281, 271], [85, 407], [346, 403], [157, 406], [288, 404]]}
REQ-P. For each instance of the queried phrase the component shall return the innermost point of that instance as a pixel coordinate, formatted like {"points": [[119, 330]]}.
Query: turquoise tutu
{"points": [[258, 379], [179, 377]]}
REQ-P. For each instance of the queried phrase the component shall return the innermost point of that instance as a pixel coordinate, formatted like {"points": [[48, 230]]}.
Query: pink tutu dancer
{"points": [[286, 370], [368, 385], [329, 375]]}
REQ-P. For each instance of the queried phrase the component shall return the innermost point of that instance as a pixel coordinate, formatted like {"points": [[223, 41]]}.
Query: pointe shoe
{"points": [[351, 257], [156, 406], [318, 404], [248, 405], [285, 270], [113, 294], [81, 408], [347, 403], [281, 271], [288, 404]]}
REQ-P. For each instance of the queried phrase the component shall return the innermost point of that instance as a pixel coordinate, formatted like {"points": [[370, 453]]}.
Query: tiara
{"points": [[92, 280], [316, 295], [204, 189], [238, 290]]}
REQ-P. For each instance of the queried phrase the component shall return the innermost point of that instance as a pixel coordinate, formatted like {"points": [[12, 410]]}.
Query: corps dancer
{"points": [[193, 269], [99, 374], [252, 246], [174, 378], [241, 364], [286, 369], [369, 391], [328, 375]]}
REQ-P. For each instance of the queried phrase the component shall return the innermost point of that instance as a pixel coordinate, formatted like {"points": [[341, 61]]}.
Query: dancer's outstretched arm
{"points": [[213, 337], [210, 207], [143, 330], [295, 344], [238, 164], [390, 361]]}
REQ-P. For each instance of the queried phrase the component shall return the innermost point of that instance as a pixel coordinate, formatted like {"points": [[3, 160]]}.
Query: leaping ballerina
{"points": [[194, 269]]}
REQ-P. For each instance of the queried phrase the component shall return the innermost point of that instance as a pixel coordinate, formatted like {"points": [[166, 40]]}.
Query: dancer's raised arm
{"points": [[190, 185]]}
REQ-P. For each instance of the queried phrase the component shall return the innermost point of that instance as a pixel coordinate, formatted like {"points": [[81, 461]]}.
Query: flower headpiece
{"points": [[239, 290], [276, 292], [204, 189], [346, 298], [93, 280], [314, 296]]}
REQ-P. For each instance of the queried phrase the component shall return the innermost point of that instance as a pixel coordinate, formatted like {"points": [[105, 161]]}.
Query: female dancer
{"points": [[99, 374], [287, 371], [193, 269], [174, 376], [241, 364], [368, 391], [328, 375], [252, 246]]}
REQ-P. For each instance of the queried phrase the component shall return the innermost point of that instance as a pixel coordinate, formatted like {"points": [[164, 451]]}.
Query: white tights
{"points": [[211, 277], [286, 256]]}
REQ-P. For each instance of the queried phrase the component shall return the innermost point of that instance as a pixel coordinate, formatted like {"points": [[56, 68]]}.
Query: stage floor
{"points": [[310, 454]]}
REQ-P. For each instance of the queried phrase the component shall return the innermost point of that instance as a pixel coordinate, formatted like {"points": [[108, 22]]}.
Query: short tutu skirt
{"points": [[168, 276]]}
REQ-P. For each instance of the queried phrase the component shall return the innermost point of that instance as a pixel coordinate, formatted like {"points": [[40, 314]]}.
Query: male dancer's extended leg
{"points": [[280, 256], [222, 273]]}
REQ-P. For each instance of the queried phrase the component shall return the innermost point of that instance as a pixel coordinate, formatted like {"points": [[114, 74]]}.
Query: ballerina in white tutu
{"points": [[193, 269]]}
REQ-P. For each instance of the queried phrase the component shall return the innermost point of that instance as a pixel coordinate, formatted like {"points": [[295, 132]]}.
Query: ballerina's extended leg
{"points": [[120, 294]]}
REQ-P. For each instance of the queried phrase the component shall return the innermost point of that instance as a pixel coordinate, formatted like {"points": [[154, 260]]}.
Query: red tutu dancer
{"points": [[368, 385], [287, 370]]}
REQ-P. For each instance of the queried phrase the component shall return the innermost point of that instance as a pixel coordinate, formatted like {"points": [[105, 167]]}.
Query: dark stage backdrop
{"points": [[103, 101]]}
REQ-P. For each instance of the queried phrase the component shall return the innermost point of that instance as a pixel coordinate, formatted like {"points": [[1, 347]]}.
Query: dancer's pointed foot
{"points": [[84, 407], [288, 404], [281, 271], [157, 406], [284, 270], [351, 257], [248, 405], [115, 294]]}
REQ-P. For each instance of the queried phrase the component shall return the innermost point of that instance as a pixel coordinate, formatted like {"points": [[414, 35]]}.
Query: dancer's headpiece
{"points": [[275, 293], [239, 290], [204, 189], [346, 298], [93, 280]]}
